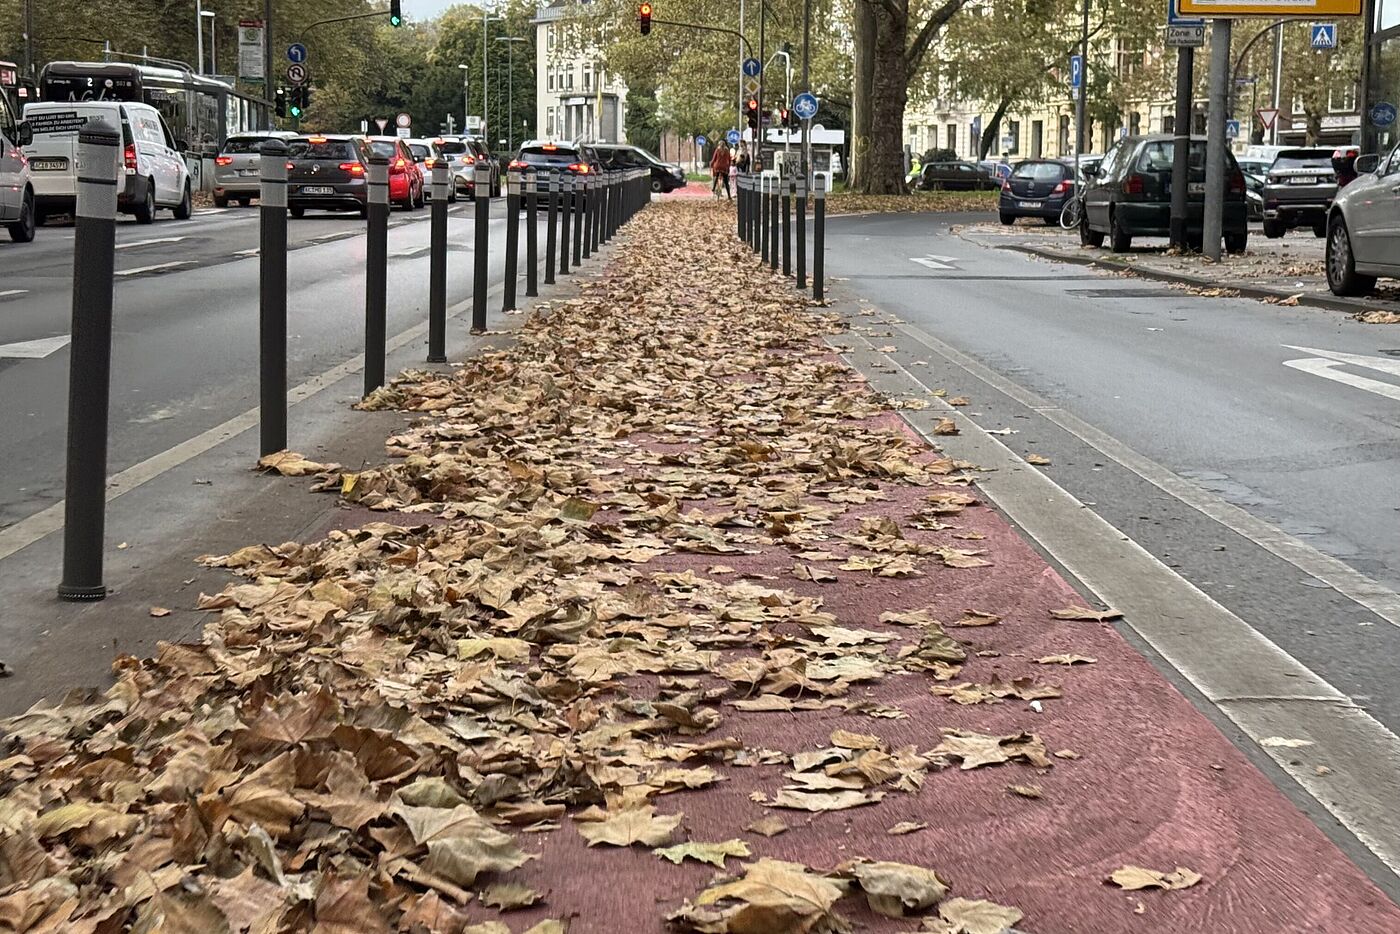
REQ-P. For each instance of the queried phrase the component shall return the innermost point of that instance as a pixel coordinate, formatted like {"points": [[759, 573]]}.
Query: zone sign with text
{"points": [[1278, 8]]}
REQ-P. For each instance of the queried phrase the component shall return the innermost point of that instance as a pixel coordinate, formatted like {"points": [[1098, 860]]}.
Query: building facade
{"points": [[576, 99]]}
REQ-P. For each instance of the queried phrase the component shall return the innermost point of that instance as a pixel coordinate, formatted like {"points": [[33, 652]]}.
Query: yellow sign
{"points": [[1301, 8]]}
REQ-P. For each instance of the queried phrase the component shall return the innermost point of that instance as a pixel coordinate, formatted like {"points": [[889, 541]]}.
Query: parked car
{"points": [[1129, 195], [467, 152], [405, 178], [999, 171], [1254, 196], [154, 176], [238, 167], [546, 156], [1363, 240], [427, 153], [1035, 188], [664, 176], [955, 176], [17, 211], [328, 173], [1298, 190]]}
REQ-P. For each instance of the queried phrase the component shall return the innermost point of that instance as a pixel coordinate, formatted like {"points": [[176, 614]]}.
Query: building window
{"points": [[952, 142], [550, 73], [1342, 100], [1298, 106], [549, 123], [1014, 132], [549, 31], [1134, 123], [588, 77], [1168, 123], [932, 142], [570, 78]]}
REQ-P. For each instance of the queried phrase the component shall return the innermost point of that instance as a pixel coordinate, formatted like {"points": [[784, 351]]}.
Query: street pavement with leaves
{"points": [[657, 619]]}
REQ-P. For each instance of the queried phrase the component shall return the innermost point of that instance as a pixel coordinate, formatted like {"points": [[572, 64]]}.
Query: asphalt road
{"points": [[184, 350], [1260, 405]]}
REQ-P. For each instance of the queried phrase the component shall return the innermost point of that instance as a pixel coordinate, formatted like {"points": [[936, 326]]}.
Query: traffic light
{"points": [[295, 109], [783, 115], [306, 97], [395, 13], [751, 111], [644, 18], [279, 102]]}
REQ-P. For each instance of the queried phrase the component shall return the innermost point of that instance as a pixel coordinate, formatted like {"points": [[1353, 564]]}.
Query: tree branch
{"points": [[939, 18], [890, 7]]}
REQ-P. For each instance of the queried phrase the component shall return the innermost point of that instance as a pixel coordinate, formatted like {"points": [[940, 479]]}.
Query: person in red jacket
{"points": [[719, 168]]}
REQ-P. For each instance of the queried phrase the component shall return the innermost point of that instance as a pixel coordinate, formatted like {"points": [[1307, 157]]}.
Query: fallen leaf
{"points": [[712, 853], [946, 426], [896, 889], [507, 896], [769, 826], [292, 464], [1037, 459], [1026, 791], [1084, 613], [1284, 742], [824, 801], [907, 826], [635, 825], [159, 611], [1136, 877], [1065, 660], [974, 916]]}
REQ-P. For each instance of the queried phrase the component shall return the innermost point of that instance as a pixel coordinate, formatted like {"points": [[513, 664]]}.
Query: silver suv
{"points": [[238, 167], [1363, 240], [16, 190]]}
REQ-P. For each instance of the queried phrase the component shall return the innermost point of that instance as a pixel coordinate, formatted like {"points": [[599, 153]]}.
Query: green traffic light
{"points": [[296, 111], [395, 21]]}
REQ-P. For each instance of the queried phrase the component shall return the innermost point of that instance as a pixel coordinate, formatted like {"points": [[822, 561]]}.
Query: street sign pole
{"points": [[1211, 221], [1080, 130], [1181, 142]]}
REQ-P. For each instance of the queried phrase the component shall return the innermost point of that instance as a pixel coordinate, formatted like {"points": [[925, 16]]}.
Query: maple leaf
{"points": [[712, 853], [1136, 877], [635, 825]]}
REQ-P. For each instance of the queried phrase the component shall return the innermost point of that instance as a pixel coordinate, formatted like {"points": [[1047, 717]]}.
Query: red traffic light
{"points": [[644, 17]]}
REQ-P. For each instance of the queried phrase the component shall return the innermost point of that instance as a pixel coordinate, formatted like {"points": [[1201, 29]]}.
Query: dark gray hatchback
{"points": [[328, 172]]}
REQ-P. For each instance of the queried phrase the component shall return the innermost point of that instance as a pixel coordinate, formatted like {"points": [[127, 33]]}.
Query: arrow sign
{"points": [[934, 261], [700, 140], [33, 350], [1267, 116], [753, 67], [296, 53], [1324, 35]]}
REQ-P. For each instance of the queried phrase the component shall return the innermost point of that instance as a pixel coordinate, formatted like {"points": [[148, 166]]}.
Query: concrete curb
{"points": [[1330, 302]]}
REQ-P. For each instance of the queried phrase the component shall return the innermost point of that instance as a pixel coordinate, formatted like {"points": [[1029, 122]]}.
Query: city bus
{"points": [[202, 111]]}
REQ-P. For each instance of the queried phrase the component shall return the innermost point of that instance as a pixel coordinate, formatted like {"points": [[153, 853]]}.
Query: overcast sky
{"points": [[426, 9]]}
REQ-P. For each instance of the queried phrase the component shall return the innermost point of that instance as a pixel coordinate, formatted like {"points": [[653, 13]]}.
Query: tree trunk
{"points": [[989, 135], [884, 169], [863, 77]]}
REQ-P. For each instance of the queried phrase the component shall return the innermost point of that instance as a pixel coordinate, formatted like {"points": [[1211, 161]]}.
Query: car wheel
{"points": [[297, 212], [146, 211], [1342, 277], [656, 185], [1007, 219], [1119, 241], [221, 201], [1088, 236], [185, 209], [1273, 229], [1320, 229], [22, 230], [1236, 242]]}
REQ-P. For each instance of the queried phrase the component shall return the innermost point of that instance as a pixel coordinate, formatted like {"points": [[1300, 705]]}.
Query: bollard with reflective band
{"points": [[531, 195], [90, 361], [481, 186], [580, 200], [376, 272], [789, 189], [818, 235], [763, 216], [566, 213], [774, 205], [437, 267], [801, 233], [590, 203], [551, 223], [741, 192], [272, 298], [599, 200], [512, 274]]}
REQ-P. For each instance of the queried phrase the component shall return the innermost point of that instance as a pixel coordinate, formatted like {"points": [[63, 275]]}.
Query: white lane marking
{"points": [[934, 261], [1327, 369], [1383, 364], [158, 267], [252, 252], [10, 293], [199, 212], [35, 349], [1331, 571], [136, 243], [30, 529], [1246, 676]]}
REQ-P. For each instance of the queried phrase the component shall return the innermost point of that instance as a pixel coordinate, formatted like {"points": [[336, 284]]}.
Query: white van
{"points": [[16, 191], [155, 175]]}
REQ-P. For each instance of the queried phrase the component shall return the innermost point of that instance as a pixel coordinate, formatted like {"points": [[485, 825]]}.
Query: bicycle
{"points": [[1072, 213]]}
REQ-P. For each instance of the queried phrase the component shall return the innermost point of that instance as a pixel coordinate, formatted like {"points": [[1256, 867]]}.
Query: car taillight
{"points": [[223, 160], [517, 164], [290, 166], [429, 163], [129, 156], [399, 167], [1132, 185], [354, 168], [1237, 182], [469, 160], [1062, 187], [579, 168]]}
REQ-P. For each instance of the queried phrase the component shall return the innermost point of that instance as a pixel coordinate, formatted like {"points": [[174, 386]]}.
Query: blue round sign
{"points": [[1383, 114], [805, 106], [296, 53], [732, 137], [700, 140], [753, 67]]}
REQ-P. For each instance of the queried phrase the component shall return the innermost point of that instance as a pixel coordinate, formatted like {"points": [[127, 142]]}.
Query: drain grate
{"points": [[1122, 293]]}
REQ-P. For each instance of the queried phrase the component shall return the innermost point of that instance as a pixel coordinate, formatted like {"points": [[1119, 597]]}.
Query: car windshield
{"points": [[420, 152], [385, 148], [1303, 159], [540, 155], [320, 149], [243, 145], [1157, 156], [1039, 171], [451, 147]]}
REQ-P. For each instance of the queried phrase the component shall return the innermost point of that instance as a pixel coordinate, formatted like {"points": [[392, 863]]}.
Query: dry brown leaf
{"points": [[507, 896], [945, 426], [713, 853], [159, 611], [1084, 613], [635, 825], [1065, 660], [1136, 877], [769, 826], [897, 889], [974, 916], [292, 464], [1037, 459], [907, 826]]}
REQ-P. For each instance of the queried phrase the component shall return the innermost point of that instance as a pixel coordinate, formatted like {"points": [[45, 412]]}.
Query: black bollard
{"points": [[437, 267], [590, 204], [763, 216], [90, 362], [532, 235], [512, 240], [272, 298], [789, 188], [376, 272], [741, 183], [566, 213], [481, 186], [774, 203], [580, 203], [818, 235], [551, 193], [802, 232]]}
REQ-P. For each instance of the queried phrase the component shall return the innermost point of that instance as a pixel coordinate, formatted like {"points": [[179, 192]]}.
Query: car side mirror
{"points": [[24, 134], [1365, 165]]}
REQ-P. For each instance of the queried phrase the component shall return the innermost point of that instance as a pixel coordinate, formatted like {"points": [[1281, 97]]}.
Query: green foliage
{"points": [[642, 123]]}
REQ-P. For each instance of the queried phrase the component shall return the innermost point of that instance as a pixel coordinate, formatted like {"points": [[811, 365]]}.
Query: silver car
{"points": [[238, 167], [1363, 238]]}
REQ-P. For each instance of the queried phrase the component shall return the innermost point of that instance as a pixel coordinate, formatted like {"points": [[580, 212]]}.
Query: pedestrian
{"points": [[719, 168], [742, 157]]}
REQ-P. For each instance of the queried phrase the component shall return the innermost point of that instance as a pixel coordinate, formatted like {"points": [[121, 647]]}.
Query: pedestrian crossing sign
{"points": [[1324, 35]]}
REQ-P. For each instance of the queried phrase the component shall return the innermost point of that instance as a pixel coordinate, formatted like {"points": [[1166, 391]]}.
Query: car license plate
{"points": [[247, 171], [48, 165], [1029, 204], [1303, 180], [1195, 188], [317, 190]]}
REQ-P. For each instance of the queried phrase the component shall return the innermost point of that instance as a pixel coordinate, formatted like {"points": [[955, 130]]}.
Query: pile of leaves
{"points": [[942, 202], [376, 725]]}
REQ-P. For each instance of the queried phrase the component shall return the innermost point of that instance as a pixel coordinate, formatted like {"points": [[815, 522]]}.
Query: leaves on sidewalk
{"points": [[292, 464], [1086, 614], [712, 853], [1136, 877]]}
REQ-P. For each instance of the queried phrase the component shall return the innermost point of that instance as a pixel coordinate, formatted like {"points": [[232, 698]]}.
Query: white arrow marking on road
{"points": [[136, 243], [35, 349], [1326, 362], [934, 261], [8, 293], [156, 268]]}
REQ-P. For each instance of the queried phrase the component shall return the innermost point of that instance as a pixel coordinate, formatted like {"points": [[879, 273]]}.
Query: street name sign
{"points": [[1186, 36]]}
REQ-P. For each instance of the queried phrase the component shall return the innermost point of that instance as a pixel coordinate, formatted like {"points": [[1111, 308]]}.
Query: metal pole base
{"points": [[81, 593]]}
